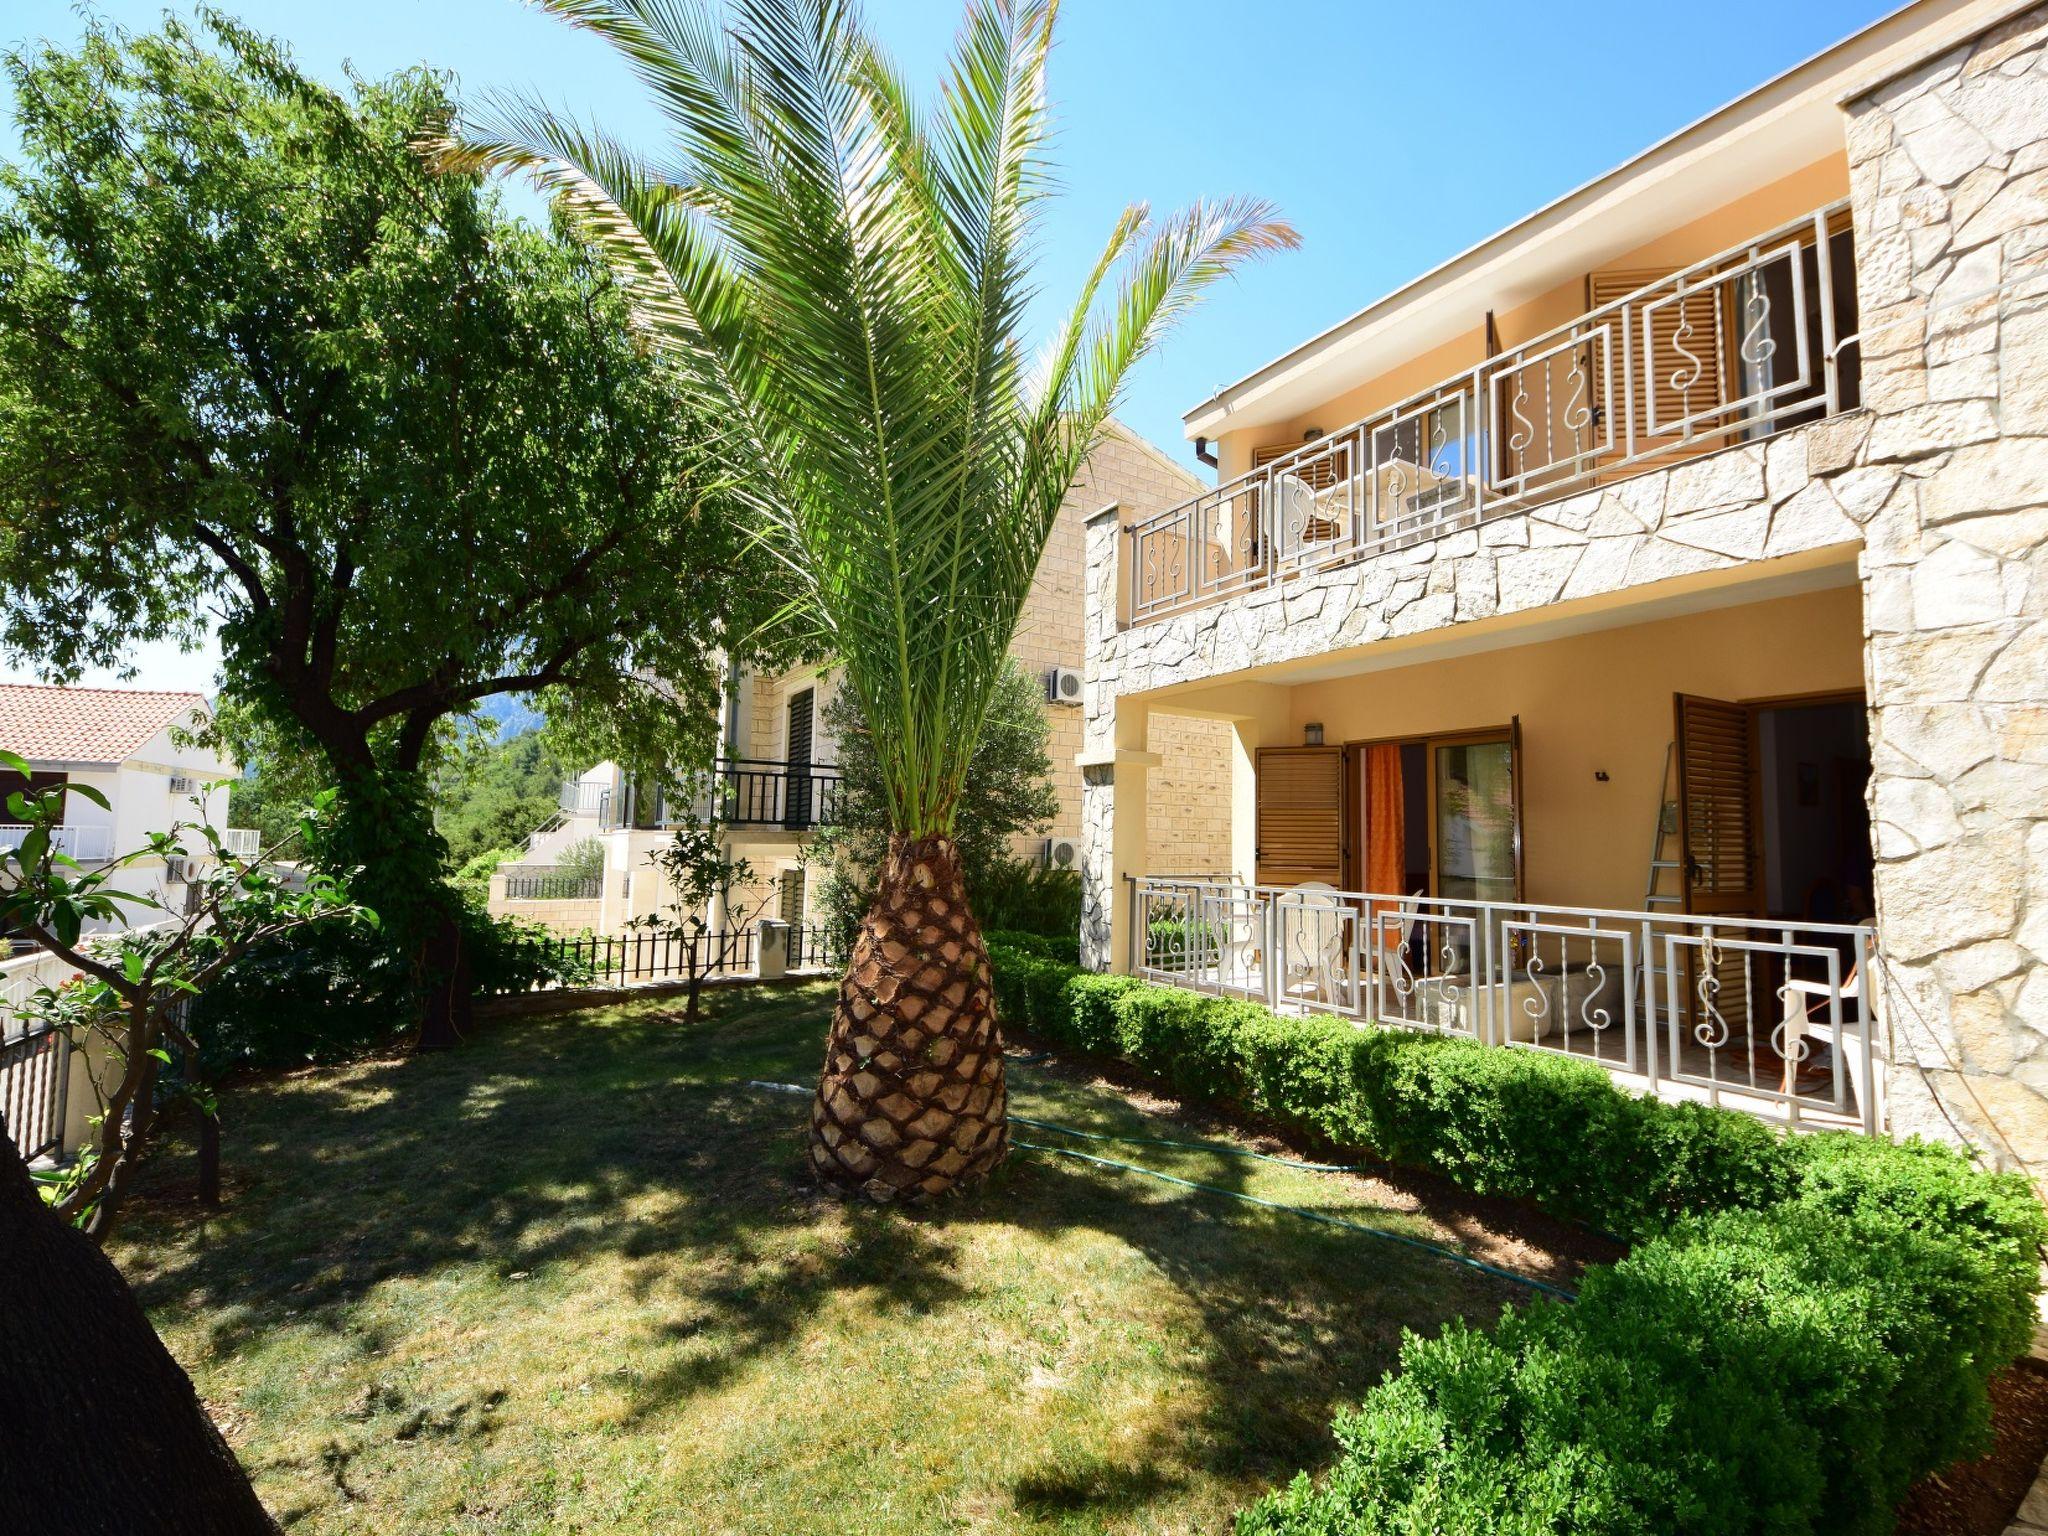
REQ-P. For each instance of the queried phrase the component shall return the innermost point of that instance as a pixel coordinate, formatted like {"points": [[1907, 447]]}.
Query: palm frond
{"points": [[848, 274]]}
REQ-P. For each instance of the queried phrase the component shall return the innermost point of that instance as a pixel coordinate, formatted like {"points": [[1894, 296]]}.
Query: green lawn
{"points": [[570, 1278]]}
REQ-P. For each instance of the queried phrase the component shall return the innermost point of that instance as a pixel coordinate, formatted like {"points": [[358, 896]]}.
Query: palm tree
{"points": [[845, 273]]}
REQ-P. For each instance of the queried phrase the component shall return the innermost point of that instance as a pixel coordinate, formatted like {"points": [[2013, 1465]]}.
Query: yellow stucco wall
{"points": [[1591, 703]]}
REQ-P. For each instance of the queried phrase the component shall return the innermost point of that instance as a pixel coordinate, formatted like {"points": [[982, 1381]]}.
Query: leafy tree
{"points": [[1008, 791], [846, 273], [699, 870], [259, 358], [492, 794], [582, 859], [123, 1005]]}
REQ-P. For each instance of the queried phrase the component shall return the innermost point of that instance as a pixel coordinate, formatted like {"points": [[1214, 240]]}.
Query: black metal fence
{"points": [[553, 887], [32, 1088], [815, 946]]}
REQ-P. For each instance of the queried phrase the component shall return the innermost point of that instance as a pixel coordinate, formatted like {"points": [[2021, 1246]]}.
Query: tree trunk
{"points": [[445, 985], [103, 1429], [912, 1103]]}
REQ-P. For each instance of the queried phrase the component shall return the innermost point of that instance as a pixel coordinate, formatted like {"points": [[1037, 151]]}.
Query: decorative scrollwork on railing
{"points": [[1792, 1048], [1439, 447], [1595, 1019], [1712, 1029], [1578, 414], [1758, 347], [1518, 442], [1536, 1006], [1685, 378], [1394, 965]]}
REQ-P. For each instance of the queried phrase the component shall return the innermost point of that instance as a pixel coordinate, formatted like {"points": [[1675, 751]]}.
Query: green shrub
{"points": [[1017, 896], [1063, 947], [1804, 1326]]}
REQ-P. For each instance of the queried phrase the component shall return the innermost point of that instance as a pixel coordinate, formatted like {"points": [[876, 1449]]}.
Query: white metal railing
{"points": [[242, 842], [81, 843], [1749, 1011], [584, 799], [1732, 348]]}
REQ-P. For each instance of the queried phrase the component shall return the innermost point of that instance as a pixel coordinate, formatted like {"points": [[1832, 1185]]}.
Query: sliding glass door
{"points": [[1473, 817]]}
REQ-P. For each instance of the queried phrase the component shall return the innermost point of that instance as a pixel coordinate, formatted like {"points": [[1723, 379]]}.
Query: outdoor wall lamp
{"points": [[1312, 734]]}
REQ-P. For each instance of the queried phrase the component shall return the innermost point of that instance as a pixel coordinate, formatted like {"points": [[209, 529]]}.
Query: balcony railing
{"points": [[745, 792], [85, 844], [1768, 1016], [1728, 350], [582, 799]]}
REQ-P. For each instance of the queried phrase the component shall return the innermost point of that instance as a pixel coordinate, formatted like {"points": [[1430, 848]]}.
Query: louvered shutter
{"points": [[1693, 323], [1300, 815], [1319, 474], [1716, 804]]}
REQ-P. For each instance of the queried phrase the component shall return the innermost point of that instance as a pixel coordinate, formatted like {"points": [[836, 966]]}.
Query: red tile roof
{"points": [[85, 725]]}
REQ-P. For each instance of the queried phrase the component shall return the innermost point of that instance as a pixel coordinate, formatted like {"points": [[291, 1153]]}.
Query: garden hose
{"points": [[1305, 1212], [1192, 1146]]}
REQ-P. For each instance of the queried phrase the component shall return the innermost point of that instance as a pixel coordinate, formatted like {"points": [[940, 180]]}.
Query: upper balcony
{"points": [[740, 792], [1749, 342]]}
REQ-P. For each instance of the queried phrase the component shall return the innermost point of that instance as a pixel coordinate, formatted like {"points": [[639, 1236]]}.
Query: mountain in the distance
{"points": [[511, 714]]}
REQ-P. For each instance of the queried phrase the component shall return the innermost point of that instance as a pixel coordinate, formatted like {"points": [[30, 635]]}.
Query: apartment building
{"points": [[1633, 632], [777, 779]]}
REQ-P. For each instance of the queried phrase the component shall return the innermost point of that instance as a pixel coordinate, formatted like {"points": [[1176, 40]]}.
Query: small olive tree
{"points": [[122, 1010], [700, 870]]}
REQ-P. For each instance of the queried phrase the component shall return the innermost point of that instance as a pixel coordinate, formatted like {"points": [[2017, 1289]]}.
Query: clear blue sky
{"points": [[1392, 135]]}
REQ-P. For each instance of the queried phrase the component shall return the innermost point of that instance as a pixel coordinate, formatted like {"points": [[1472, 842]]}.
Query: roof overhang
{"points": [[1781, 127]]}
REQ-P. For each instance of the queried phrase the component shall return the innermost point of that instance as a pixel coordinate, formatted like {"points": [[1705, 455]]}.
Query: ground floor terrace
{"points": [[1637, 835]]}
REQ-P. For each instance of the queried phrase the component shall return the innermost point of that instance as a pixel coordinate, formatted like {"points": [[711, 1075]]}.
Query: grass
{"points": [[570, 1278]]}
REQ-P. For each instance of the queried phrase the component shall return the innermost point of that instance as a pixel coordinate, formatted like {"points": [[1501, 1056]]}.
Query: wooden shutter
{"points": [[796, 805], [1318, 475], [1716, 804], [1706, 341], [1300, 816]]}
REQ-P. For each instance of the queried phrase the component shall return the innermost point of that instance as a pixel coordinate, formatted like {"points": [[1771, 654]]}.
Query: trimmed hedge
{"points": [[1804, 1326], [1045, 946]]}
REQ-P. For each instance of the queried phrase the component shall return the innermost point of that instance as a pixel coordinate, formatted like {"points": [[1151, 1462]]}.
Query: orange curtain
{"points": [[1386, 821]]}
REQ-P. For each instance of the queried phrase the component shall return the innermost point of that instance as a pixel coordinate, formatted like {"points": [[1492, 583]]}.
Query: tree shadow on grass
{"points": [[518, 1154]]}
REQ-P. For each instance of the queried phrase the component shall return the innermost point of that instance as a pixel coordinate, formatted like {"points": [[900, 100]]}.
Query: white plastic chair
{"points": [[1312, 918], [1807, 1016]]}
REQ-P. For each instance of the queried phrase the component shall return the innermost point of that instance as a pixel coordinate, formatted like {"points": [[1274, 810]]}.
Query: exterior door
{"points": [[797, 803], [1475, 815]]}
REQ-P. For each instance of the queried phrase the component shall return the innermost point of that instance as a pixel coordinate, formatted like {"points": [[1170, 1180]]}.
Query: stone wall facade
{"points": [[1938, 486], [1949, 171]]}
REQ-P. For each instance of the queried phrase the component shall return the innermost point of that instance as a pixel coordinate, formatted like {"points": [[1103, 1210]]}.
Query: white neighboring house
{"points": [[124, 743]]}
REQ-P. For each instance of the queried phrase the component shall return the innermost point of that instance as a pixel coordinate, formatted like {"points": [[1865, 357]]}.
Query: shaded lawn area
{"points": [[571, 1278]]}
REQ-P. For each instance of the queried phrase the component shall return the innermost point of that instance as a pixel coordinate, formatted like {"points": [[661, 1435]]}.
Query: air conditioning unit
{"points": [[178, 871], [183, 784], [1062, 853], [1063, 685]]}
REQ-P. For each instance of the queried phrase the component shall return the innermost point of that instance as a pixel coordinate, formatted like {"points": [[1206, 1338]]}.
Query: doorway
{"points": [[1813, 766], [1436, 815]]}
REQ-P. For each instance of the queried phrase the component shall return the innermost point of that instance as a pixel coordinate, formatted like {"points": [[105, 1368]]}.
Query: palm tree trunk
{"points": [[103, 1430], [912, 1104]]}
